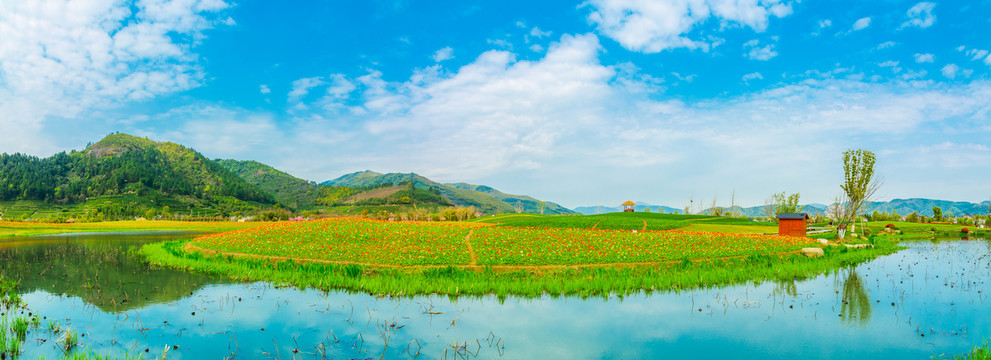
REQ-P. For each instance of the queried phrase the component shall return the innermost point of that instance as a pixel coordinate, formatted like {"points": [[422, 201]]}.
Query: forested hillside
{"points": [[122, 164]]}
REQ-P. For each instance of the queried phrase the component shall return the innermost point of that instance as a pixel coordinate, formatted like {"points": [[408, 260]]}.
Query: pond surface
{"points": [[930, 299]]}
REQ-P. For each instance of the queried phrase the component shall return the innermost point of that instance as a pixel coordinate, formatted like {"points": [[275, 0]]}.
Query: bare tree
{"points": [[712, 209], [732, 204], [769, 208]]}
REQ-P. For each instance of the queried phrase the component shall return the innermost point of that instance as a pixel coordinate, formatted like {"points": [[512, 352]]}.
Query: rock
{"points": [[813, 252], [858, 246], [823, 241]]}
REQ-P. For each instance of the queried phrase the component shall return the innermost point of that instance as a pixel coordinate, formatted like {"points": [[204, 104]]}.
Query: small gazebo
{"points": [[628, 206]]}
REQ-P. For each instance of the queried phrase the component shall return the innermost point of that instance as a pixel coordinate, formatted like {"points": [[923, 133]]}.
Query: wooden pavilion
{"points": [[628, 206]]}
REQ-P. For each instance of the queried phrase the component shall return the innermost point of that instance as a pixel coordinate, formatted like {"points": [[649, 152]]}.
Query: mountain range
{"points": [[124, 175], [483, 198], [902, 206]]}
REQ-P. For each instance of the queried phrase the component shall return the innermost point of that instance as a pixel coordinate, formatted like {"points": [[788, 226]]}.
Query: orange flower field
{"points": [[420, 243]]}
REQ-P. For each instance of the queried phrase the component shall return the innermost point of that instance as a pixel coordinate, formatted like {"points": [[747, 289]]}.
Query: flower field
{"points": [[350, 239], [530, 246], [403, 243]]}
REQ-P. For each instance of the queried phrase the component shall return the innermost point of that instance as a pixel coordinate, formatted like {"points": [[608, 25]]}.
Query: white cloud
{"points": [[301, 88], [891, 64], [536, 32], [653, 26], [446, 53], [757, 52], [885, 45], [340, 86], [264, 89], [502, 43], [66, 58], [825, 23], [862, 23], [500, 117], [950, 71], [977, 54], [924, 58], [536, 48], [921, 15], [752, 76]]}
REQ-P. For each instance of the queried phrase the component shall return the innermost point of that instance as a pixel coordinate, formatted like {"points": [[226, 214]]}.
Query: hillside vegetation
{"points": [[150, 175], [483, 198]]}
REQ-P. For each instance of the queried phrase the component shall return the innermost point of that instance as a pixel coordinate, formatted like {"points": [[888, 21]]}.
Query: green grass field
{"points": [[634, 221]]}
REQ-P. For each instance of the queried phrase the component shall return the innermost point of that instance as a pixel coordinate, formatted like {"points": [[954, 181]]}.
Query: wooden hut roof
{"points": [[629, 203], [793, 216]]}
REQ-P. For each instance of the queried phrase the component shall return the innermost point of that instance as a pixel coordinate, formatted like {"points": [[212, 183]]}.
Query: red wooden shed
{"points": [[792, 224]]}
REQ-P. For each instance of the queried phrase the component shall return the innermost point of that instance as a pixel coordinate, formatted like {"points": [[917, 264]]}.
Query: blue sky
{"points": [[580, 103]]}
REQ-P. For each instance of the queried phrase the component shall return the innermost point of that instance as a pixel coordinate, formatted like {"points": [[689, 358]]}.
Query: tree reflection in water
{"points": [[857, 308]]}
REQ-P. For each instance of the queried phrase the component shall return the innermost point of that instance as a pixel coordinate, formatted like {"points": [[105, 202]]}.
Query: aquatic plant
{"points": [[979, 352], [69, 340]]}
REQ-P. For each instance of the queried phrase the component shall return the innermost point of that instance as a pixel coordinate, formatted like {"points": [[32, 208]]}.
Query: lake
{"points": [[929, 299]]}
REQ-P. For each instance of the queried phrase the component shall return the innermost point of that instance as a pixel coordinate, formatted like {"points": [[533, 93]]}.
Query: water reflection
{"points": [[786, 287], [857, 307], [924, 301], [97, 269]]}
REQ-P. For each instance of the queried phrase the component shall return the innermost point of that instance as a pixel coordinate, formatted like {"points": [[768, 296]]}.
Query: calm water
{"points": [[928, 300]]}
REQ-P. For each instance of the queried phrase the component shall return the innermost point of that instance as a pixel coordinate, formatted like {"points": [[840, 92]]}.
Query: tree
{"points": [[785, 203], [859, 182], [937, 213], [913, 217]]}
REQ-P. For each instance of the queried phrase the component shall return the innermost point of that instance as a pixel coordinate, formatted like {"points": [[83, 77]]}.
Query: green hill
{"points": [[485, 199], [285, 188], [125, 176]]}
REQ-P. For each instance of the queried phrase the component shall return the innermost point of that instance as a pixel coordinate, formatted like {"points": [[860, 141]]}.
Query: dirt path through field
{"points": [[474, 258], [596, 224], [190, 247], [644, 224]]}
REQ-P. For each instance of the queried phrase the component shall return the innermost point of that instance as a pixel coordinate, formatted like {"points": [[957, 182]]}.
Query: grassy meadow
{"points": [[634, 221]]}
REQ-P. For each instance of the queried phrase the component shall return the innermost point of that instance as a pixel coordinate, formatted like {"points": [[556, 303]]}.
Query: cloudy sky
{"points": [[580, 103]]}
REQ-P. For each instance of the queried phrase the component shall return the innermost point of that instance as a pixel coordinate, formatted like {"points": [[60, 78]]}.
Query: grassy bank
{"points": [[406, 259], [14, 228]]}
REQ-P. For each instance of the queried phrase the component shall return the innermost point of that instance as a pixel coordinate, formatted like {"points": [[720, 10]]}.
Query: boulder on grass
{"points": [[813, 252]]}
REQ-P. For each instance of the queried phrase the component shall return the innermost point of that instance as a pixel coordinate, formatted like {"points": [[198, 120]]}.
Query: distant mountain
{"points": [[640, 207], [901, 206], [925, 207], [285, 188], [521, 203], [483, 198]]}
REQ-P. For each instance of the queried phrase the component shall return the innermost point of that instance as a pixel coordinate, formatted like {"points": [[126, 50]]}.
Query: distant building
{"points": [[792, 224], [628, 206]]}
